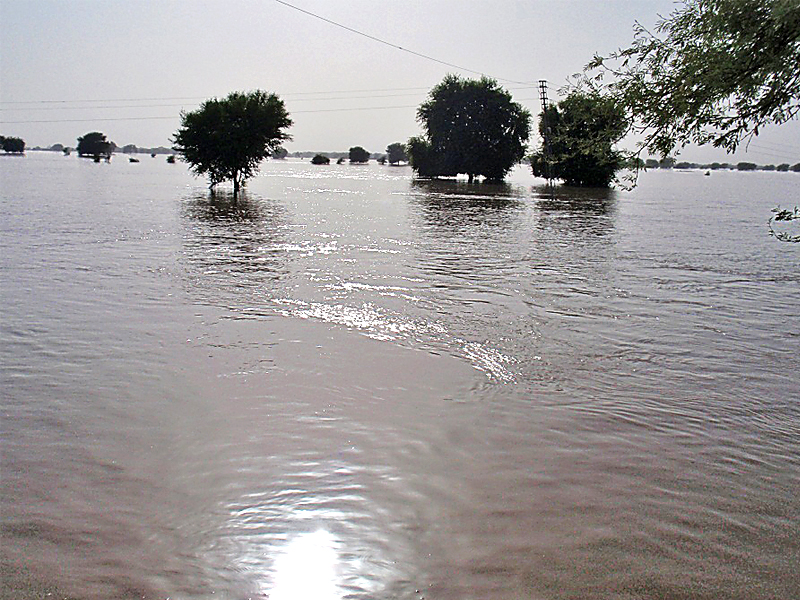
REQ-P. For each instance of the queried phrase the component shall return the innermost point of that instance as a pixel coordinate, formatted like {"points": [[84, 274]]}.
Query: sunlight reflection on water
{"points": [[307, 568]]}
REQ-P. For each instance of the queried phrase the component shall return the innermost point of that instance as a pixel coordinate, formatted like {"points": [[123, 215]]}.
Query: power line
{"points": [[774, 146], [126, 106], [289, 96], [355, 108], [773, 155], [153, 118], [391, 45], [89, 120], [203, 97], [178, 116]]}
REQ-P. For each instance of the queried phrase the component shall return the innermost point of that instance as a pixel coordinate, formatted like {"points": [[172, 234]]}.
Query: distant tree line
{"points": [[332, 154], [671, 163], [134, 149], [395, 154]]}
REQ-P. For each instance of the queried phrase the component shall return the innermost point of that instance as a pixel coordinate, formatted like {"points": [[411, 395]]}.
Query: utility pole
{"points": [[546, 129]]}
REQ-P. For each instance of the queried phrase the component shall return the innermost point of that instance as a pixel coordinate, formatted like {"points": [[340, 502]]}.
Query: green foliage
{"points": [[95, 145], [12, 145], [783, 167], [227, 139], [583, 129], [784, 216], [714, 71], [320, 159], [396, 153], [425, 161], [471, 127], [746, 166], [358, 155]]}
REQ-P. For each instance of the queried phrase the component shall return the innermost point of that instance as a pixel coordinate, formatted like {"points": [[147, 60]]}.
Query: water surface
{"points": [[351, 384]]}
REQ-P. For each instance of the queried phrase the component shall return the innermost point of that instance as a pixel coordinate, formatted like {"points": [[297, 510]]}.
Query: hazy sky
{"points": [[128, 67]]}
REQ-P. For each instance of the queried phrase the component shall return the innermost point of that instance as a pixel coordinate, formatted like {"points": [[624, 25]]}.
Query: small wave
{"points": [[378, 324]]}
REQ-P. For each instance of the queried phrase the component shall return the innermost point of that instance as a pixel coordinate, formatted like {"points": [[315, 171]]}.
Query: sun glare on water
{"points": [[307, 568]]}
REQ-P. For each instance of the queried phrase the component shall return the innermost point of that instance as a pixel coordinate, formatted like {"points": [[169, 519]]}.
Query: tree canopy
{"points": [[714, 71], [580, 132], [95, 144], [227, 139], [320, 159], [12, 145], [358, 155], [471, 127], [396, 153]]}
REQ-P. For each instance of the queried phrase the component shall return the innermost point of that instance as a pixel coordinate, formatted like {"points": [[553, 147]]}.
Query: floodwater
{"points": [[356, 385]]}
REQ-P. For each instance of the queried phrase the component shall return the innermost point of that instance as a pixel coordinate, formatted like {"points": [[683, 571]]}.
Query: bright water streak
{"points": [[355, 385]]}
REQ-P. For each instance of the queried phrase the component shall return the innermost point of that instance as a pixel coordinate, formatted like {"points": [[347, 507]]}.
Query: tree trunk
{"points": [[236, 185]]}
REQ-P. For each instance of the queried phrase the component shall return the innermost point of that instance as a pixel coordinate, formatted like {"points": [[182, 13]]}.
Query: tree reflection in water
{"points": [[575, 212], [233, 246], [221, 207], [451, 205]]}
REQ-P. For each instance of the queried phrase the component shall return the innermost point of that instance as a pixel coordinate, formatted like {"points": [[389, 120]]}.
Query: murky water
{"points": [[354, 385]]}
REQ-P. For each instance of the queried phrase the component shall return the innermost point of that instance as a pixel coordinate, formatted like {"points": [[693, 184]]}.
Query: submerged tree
{"points": [[396, 153], [471, 127], [320, 159], [427, 161], [95, 145], [227, 139], [358, 155], [714, 71], [12, 145], [581, 131]]}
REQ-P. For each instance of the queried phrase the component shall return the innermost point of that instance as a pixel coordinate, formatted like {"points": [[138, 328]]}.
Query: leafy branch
{"points": [[784, 215]]}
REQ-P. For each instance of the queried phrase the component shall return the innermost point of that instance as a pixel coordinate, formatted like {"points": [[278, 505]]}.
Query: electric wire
{"points": [[153, 118], [287, 96], [526, 84], [771, 154], [774, 146], [153, 99], [391, 45]]}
